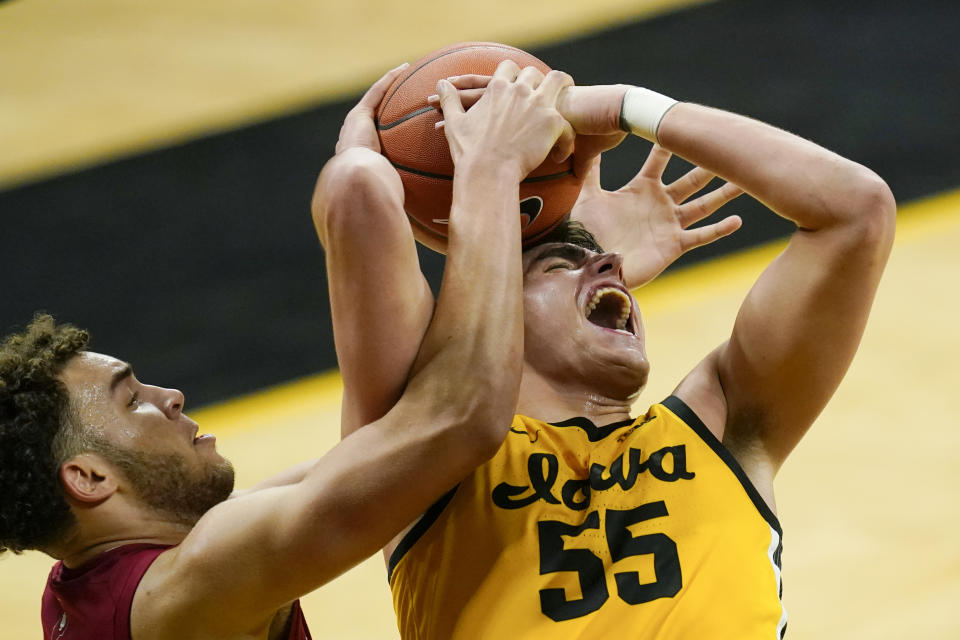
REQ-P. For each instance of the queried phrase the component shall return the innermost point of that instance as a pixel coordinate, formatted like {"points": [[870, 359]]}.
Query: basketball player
{"points": [[590, 521], [107, 474]]}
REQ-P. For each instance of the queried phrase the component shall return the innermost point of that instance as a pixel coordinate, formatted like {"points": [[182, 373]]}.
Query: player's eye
{"points": [[134, 400], [562, 264]]}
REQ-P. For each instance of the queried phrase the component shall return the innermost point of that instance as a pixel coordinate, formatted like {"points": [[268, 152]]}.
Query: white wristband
{"points": [[642, 110]]}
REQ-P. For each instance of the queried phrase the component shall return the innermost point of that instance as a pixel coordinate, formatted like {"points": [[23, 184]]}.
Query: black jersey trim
{"points": [[416, 531], [685, 413], [594, 433]]}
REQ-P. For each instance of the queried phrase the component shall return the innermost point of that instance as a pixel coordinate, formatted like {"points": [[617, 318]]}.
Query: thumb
{"points": [[587, 168], [449, 100]]}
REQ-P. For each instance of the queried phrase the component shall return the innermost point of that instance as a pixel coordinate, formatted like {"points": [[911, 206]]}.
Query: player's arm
{"points": [[291, 475], [380, 302], [253, 554], [800, 325]]}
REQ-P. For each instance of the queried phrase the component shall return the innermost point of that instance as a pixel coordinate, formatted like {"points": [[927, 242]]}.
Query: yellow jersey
{"points": [[644, 528]]}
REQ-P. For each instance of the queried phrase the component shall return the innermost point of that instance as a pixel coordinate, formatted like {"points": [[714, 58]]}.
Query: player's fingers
{"points": [[449, 100], [693, 238], [378, 89], [553, 83], [706, 204], [469, 81], [689, 184], [530, 76], [564, 145], [506, 70], [654, 165], [468, 98]]}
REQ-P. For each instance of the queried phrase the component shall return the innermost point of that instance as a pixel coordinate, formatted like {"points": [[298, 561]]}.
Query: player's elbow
{"points": [[874, 213], [477, 411], [355, 189], [490, 394], [491, 421]]}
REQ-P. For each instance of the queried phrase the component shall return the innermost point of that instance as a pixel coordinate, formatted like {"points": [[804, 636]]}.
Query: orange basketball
{"points": [[405, 123]]}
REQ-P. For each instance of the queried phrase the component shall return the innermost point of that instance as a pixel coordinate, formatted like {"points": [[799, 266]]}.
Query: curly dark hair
{"points": [[38, 432]]}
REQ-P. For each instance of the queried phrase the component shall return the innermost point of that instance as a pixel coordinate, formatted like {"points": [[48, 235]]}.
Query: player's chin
{"points": [[624, 370]]}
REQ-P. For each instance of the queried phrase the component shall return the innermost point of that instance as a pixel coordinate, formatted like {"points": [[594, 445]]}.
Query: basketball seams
{"points": [[386, 102], [412, 114]]}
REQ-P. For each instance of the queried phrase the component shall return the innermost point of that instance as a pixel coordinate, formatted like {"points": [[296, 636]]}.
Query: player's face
{"points": [[581, 321], [142, 430]]}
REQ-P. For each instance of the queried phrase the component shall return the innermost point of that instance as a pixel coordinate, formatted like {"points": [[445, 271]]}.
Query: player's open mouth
{"points": [[610, 308]]}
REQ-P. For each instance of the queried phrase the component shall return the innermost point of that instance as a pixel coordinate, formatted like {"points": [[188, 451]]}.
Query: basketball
{"points": [[408, 139]]}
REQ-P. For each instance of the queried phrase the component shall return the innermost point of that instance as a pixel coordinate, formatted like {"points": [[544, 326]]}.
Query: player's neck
{"points": [[96, 533], [554, 401]]}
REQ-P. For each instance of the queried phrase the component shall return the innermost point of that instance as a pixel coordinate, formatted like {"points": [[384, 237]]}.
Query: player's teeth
{"points": [[624, 316]]}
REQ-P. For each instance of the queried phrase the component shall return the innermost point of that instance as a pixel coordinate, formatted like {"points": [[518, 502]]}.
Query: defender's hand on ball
{"points": [[514, 124], [592, 111], [646, 220]]}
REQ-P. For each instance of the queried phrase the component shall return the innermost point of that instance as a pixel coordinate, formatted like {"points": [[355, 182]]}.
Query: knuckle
{"points": [[560, 76]]}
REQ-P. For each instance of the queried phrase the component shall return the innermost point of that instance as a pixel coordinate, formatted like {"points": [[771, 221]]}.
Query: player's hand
{"points": [[359, 129], [514, 124], [592, 111], [646, 221]]}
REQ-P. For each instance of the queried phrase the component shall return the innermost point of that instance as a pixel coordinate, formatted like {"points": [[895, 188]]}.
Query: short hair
{"points": [[570, 232], [38, 432]]}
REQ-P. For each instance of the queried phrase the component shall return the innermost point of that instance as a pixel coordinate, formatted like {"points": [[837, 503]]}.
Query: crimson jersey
{"points": [[93, 602]]}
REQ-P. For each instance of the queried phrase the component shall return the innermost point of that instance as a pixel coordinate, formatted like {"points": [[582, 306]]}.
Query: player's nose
{"points": [[609, 263], [172, 403]]}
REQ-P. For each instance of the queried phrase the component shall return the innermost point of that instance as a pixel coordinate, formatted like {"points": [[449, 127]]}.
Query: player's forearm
{"points": [[801, 181], [291, 475], [476, 335], [372, 273]]}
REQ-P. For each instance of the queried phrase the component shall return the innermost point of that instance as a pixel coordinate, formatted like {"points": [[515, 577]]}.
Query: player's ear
{"points": [[88, 479]]}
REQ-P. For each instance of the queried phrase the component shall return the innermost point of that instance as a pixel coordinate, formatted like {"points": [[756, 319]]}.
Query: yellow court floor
{"points": [[867, 501]]}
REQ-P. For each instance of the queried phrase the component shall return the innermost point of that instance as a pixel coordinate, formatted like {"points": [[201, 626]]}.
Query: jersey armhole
{"points": [[132, 582], [680, 409], [416, 531]]}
